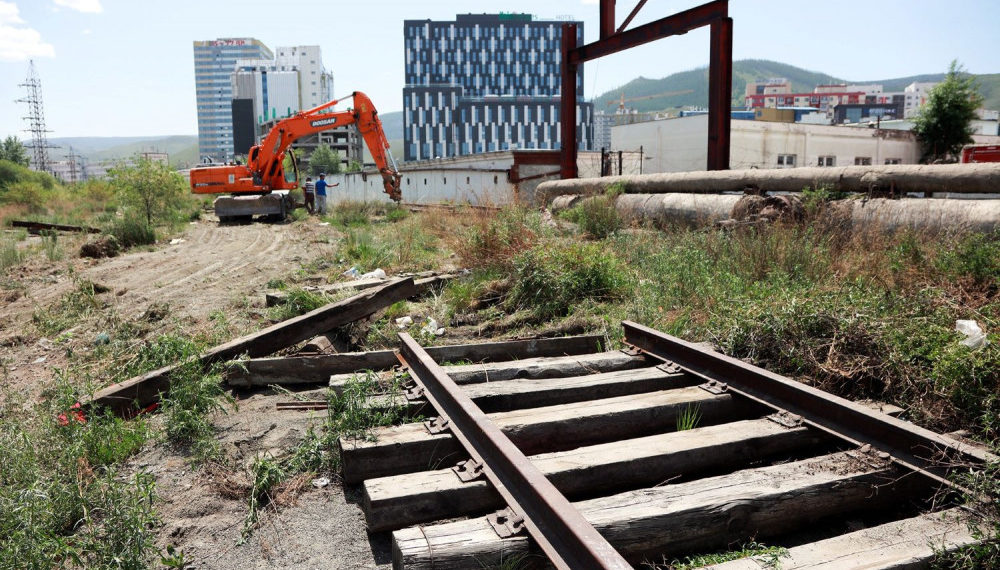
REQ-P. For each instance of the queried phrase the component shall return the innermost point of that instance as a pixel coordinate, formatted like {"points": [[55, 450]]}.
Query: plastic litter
{"points": [[352, 273], [376, 274], [974, 335], [403, 322], [102, 338], [320, 482], [176, 241], [432, 328]]}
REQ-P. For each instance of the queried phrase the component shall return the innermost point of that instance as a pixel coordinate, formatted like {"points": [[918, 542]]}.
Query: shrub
{"points": [[131, 230], [975, 256], [493, 241], [551, 277], [26, 193], [151, 191]]}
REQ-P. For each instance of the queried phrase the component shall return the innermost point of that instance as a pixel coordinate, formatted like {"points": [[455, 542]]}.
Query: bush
{"points": [[151, 191], [27, 193], [975, 256], [131, 230], [493, 241], [551, 277]]}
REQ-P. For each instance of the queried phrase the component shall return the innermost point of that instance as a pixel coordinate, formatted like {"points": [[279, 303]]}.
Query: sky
{"points": [[126, 67]]}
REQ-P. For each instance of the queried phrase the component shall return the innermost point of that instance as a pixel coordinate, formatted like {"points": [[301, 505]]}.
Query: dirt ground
{"points": [[214, 268]]}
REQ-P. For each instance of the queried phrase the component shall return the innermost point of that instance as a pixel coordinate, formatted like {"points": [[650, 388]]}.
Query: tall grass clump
{"points": [[10, 254], [596, 215], [131, 230], [494, 240], [66, 502], [552, 277]]}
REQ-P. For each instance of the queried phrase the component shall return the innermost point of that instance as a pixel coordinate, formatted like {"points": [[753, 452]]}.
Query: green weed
{"points": [[194, 395], [493, 242], [597, 215], [53, 250], [297, 302], [265, 473], [689, 418], [396, 213], [766, 556], [131, 230], [81, 302], [10, 254], [552, 277]]}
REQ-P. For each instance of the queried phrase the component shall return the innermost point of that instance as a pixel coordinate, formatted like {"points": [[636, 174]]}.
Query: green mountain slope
{"points": [[802, 80]]}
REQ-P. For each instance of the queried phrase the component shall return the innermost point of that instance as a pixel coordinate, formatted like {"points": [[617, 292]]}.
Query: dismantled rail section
{"points": [[655, 452]]}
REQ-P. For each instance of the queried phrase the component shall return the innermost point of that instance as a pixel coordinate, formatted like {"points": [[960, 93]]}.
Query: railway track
{"points": [[623, 458]]}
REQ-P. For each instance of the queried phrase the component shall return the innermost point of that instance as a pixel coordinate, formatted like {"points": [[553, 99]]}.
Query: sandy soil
{"points": [[214, 268]]}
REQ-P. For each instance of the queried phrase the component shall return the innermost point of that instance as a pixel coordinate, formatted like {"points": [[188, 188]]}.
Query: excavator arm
{"points": [[264, 170]]}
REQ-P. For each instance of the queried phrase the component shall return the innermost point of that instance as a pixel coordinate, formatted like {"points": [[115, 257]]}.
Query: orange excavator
{"points": [[252, 186]]}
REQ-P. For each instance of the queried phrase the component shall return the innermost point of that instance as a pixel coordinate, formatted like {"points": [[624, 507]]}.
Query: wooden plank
{"points": [[423, 283], [146, 389], [909, 543], [541, 367], [403, 500], [686, 517], [37, 227], [410, 447], [318, 369]]}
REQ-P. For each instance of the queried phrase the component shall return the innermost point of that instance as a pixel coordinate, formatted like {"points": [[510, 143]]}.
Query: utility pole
{"points": [[36, 121]]}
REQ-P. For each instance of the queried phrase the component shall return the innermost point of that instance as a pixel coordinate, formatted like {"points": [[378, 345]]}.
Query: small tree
{"points": [[11, 149], [944, 123], [354, 166], [324, 160], [150, 189]]}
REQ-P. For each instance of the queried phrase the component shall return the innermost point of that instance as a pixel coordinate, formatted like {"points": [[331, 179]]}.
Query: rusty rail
{"points": [[909, 445], [567, 538]]}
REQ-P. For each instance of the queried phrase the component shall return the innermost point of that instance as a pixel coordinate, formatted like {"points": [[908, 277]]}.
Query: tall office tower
{"points": [[214, 63], [485, 82]]}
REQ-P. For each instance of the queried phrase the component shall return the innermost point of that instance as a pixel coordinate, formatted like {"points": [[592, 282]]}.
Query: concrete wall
{"points": [[680, 145], [480, 179]]}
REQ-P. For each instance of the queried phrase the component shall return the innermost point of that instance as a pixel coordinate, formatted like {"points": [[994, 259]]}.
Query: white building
{"points": [[680, 145], [315, 82]]}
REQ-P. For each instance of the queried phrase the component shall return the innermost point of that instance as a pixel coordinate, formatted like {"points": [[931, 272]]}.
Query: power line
{"points": [[36, 121]]}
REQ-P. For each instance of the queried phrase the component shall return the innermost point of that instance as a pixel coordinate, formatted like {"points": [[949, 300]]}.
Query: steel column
{"points": [[567, 538], [720, 89], [679, 23], [607, 18], [914, 447], [567, 104]]}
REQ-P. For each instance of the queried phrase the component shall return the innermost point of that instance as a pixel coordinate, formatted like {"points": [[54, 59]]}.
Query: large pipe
{"points": [[981, 178], [878, 213]]}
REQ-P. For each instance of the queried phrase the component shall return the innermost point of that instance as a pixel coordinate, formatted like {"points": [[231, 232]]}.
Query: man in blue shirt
{"points": [[321, 186]]}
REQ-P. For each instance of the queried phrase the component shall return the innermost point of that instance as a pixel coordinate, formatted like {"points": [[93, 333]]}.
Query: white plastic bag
{"points": [[352, 273], [377, 274], [403, 322], [974, 336]]}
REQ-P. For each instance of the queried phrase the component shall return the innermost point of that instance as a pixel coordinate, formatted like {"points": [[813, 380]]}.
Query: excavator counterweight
{"points": [[254, 187]]}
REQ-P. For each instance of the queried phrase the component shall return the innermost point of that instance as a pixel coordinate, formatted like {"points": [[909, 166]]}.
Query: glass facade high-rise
{"points": [[486, 82], [214, 63]]}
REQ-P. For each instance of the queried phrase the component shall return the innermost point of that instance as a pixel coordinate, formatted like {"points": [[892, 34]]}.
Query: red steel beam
{"points": [[720, 89], [631, 15], [567, 104], [568, 539], [679, 23], [607, 18], [720, 84]]}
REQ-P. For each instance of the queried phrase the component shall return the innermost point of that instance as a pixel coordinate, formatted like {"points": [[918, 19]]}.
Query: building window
{"points": [[827, 161], [466, 179], [494, 179], [894, 161], [862, 161], [425, 182], [786, 160], [445, 180]]}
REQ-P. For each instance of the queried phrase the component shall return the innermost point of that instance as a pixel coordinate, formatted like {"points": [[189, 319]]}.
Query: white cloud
{"points": [[20, 44], [87, 32], [92, 6], [9, 14]]}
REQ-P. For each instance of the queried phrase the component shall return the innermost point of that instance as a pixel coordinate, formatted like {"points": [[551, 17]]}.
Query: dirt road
{"points": [[209, 268]]}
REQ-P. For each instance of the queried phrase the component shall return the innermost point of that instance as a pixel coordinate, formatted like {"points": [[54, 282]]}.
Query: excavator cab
{"points": [[290, 168]]}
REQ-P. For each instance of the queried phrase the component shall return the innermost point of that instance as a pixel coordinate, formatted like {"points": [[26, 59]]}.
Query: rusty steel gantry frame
{"points": [[720, 70]]}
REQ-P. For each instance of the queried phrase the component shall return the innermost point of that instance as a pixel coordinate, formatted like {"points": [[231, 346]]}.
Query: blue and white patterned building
{"points": [[214, 62], [486, 82]]}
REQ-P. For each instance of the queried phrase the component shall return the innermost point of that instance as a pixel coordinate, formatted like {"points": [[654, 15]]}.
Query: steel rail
{"points": [[563, 534], [911, 446]]}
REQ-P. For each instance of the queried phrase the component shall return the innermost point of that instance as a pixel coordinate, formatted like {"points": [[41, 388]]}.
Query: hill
{"points": [[802, 80], [184, 147], [392, 124]]}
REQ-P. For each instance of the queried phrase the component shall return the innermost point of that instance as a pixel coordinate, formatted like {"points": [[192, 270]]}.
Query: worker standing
{"points": [[321, 186], [309, 189]]}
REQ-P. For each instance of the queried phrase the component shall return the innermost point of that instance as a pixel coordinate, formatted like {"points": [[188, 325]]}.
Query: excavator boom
{"points": [[264, 171]]}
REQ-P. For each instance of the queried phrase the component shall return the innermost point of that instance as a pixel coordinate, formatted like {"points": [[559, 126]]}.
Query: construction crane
{"points": [[252, 185], [621, 102]]}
